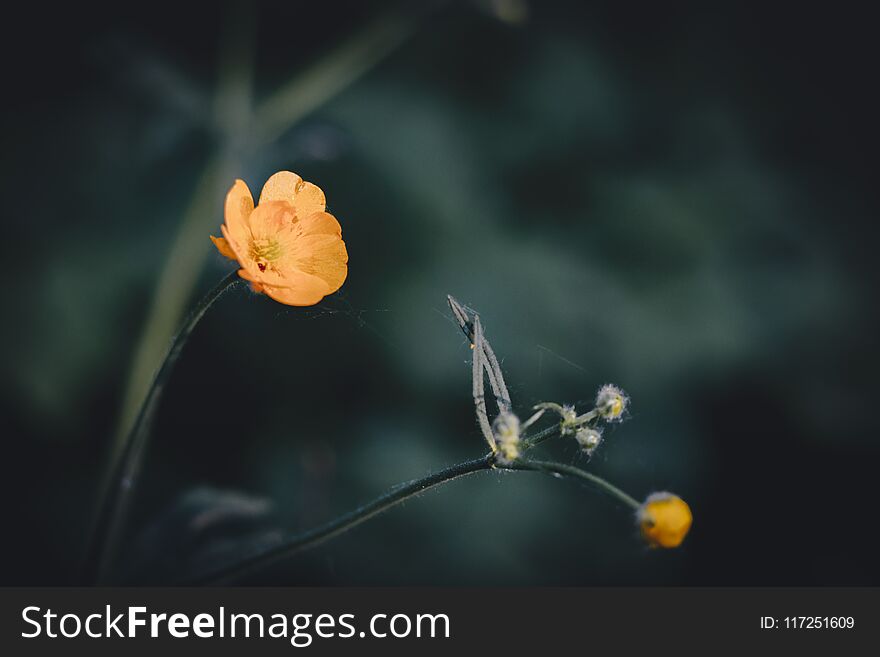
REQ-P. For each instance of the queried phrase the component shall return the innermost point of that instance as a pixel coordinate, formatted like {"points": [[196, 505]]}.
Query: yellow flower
{"points": [[664, 519], [287, 246]]}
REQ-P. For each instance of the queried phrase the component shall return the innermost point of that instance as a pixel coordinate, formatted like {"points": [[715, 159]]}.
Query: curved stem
{"points": [[114, 502], [344, 522], [562, 469]]}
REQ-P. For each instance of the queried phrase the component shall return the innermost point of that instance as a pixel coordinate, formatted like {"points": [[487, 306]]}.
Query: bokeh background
{"points": [[678, 198]]}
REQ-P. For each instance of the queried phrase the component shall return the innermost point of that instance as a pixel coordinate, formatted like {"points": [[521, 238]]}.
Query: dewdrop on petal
{"points": [[664, 519], [611, 402], [506, 430], [588, 438]]}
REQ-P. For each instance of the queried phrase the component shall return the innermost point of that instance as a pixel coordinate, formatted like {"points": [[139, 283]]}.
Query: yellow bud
{"points": [[664, 519]]}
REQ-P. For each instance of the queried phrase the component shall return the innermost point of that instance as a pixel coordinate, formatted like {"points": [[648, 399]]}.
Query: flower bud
{"points": [[568, 421], [664, 519], [506, 430], [611, 402], [588, 438]]}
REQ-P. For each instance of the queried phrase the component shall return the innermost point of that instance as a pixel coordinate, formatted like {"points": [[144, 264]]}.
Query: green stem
{"points": [[344, 522], [561, 469], [114, 502], [540, 437]]}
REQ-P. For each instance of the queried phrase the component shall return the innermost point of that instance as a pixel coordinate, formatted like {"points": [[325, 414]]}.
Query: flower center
{"points": [[265, 251]]}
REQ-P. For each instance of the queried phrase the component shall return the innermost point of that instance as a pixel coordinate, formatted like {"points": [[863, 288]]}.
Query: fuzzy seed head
{"points": [[506, 429], [611, 403], [588, 438]]}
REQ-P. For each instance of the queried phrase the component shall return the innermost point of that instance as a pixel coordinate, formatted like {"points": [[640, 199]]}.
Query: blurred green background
{"points": [[676, 198]]}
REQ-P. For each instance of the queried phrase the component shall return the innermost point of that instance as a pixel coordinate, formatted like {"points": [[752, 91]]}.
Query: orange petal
{"points": [[270, 218], [304, 290], [223, 247], [324, 256], [308, 200], [321, 251], [320, 223], [238, 209], [305, 197], [240, 251], [280, 187], [294, 296], [255, 276]]}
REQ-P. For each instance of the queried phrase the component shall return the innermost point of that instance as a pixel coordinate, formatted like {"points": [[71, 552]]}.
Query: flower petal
{"points": [[320, 223], [281, 186], [269, 219], [305, 197], [240, 249], [251, 272], [324, 256], [223, 247], [308, 200], [294, 296], [238, 209], [304, 290]]}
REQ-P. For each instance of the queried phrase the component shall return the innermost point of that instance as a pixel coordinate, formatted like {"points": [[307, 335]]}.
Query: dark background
{"points": [[676, 198]]}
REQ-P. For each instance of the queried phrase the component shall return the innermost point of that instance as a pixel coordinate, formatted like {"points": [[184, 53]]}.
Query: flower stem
{"points": [[343, 523], [123, 474], [545, 434], [562, 469]]}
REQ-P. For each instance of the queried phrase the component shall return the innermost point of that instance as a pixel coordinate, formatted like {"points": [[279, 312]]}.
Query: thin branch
{"points": [[343, 523], [565, 470], [114, 502], [538, 438]]}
